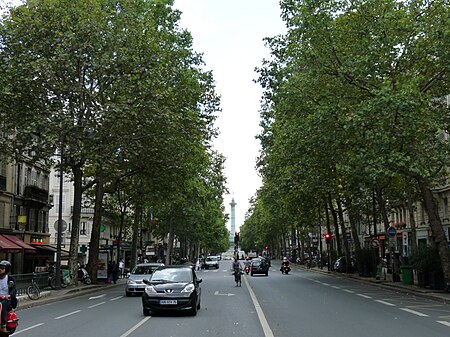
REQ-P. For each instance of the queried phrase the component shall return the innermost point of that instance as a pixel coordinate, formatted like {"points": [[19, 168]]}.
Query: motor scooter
{"points": [[12, 321], [285, 269], [83, 276]]}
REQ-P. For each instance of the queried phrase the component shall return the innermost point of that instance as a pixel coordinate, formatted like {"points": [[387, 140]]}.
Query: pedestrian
{"points": [[110, 272], [115, 272], [197, 265], [122, 268]]}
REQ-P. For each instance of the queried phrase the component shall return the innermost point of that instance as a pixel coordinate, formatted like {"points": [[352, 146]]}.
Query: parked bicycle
{"points": [[33, 290]]}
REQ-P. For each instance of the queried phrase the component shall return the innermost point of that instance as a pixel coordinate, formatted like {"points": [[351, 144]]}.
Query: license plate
{"points": [[167, 301]]}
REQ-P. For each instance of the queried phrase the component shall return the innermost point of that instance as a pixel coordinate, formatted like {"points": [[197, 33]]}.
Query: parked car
{"points": [[140, 271], [212, 262], [340, 265], [172, 288], [259, 266]]}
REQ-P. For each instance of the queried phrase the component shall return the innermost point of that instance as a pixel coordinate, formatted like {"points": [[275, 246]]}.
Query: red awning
{"points": [[8, 246], [26, 247]]}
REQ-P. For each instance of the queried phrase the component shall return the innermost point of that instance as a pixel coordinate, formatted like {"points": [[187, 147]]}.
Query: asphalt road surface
{"points": [[301, 304]]}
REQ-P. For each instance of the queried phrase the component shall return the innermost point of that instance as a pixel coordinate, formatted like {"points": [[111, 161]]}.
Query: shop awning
{"points": [[7, 246], [50, 250], [26, 247]]}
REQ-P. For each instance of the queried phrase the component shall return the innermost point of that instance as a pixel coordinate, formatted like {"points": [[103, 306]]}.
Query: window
{"points": [[83, 228], [2, 211], [445, 208], [55, 208], [33, 177], [2, 168]]}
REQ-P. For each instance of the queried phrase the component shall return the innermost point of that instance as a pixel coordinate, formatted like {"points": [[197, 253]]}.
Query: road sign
{"points": [[63, 225], [392, 231], [375, 243]]}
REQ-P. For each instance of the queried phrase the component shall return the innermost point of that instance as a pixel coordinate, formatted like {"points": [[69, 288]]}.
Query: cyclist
{"points": [[237, 268], [8, 292]]}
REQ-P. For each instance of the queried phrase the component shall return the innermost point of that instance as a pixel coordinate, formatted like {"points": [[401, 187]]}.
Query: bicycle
{"points": [[237, 277], [33, 290]]}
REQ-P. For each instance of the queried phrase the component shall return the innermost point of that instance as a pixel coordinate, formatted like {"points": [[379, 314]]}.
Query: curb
{"points": [[51, 296], [424, 293]]}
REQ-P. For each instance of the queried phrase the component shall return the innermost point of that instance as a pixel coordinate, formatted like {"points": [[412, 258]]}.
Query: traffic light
{"points": [[328, 237]]}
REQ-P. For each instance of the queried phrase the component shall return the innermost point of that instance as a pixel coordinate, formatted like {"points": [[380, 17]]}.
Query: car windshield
{"points": [[172, 275], [211, 258], [143, 270]]}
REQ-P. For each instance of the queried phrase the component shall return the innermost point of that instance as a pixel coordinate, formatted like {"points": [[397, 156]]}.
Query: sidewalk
{"points": [[50, 296], [438, 295]]}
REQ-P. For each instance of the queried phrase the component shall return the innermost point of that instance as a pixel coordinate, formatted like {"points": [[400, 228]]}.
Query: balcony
{"points": [[84, 210], [35, 193]]}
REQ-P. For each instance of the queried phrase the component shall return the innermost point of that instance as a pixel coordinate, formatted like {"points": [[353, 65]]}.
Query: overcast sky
{"points": [[230, 34]]}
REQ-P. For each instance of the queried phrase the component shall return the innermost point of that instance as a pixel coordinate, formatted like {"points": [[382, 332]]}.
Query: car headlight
{"points": [[188, 289], [131, 282], [149, 289]]}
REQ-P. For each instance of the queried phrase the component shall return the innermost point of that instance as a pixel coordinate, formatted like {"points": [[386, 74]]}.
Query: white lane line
{"points": [[96, 305], [29, 328], [95, 297], [326, 284], [348, 291], [70, 313], [116, 298], [335, 287], [362, 295], [414, 312], [444, 322], [385, 303], [262, 318], [127, 333]]}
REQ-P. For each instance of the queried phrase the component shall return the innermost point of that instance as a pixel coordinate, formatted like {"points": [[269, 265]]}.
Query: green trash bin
{"points": [[407, 274]]}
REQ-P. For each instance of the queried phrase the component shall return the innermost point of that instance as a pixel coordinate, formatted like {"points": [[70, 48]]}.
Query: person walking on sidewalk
{"points": [[122, 268], [8, 292]]}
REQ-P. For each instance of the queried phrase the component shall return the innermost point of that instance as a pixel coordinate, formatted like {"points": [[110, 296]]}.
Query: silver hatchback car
{"points": [[140, 272]]}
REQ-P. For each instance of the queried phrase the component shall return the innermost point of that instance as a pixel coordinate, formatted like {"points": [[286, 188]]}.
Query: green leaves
{"points": [[353, 99]]}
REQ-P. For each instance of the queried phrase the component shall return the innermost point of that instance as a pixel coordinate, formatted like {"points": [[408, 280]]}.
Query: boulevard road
{"points": [[301, 304]]}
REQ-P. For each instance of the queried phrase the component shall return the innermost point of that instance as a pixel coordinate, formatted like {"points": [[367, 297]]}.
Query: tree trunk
{"points": [[344, 235], [393, 253], [336, 226], [94, 246], [437, 231], [352, 219], [170, 243], [76, 215], [412, 220], [119, 237], [134, 242]]}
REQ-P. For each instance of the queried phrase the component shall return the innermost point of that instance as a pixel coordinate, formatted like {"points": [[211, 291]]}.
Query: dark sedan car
{"points": [[172, 288], [259, 266]]}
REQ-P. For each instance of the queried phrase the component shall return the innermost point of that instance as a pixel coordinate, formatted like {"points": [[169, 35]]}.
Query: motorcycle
{"points": [[83, 276], [247, 269], [12, 321], [285, 269]]}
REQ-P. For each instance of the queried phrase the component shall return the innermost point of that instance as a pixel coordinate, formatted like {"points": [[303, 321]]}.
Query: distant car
{"points": [[212, 262], [139, 272], [259, 266], [172, 288]]}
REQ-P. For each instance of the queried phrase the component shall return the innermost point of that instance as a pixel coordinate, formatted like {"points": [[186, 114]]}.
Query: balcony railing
{"points": [[85, 210]]}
